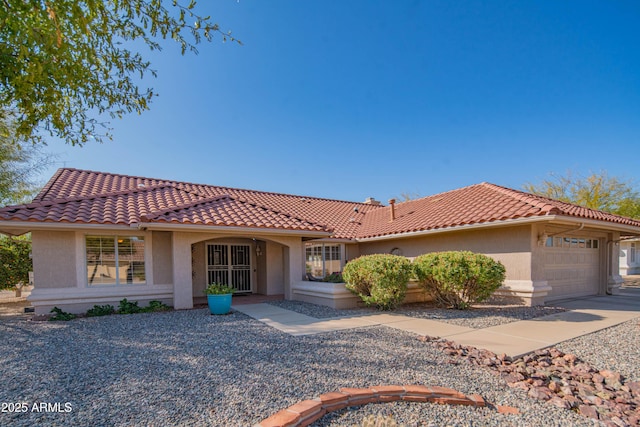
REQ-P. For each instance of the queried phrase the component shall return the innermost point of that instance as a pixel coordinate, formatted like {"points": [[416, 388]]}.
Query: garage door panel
{"points": [[572, 270]]}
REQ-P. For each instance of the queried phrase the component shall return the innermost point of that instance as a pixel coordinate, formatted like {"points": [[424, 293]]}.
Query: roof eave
{"points": [[21, 227], [16, 228], [229, 229], [510, 222]]}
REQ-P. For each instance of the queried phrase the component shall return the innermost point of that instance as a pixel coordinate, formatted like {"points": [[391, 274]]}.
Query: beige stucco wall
{"points": [[352, 251], [509, 245], [199, 268], [161, 251], [54, 259], [274, 268]]}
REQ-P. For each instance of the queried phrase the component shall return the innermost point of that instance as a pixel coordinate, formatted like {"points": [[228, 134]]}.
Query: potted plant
{"points": [[219, 298]]}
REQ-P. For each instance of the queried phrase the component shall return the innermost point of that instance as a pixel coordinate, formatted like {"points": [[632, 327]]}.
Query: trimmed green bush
{"points": [[458, 279], [379, 280]]}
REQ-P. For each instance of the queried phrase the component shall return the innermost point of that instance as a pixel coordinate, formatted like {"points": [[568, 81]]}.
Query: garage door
{"points": [[572, 266]]}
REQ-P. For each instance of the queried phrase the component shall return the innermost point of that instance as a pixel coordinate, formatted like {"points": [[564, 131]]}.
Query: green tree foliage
{"points": [[19, 162], [15, 263], [597, 191], [458, 278], [379, 279], [62, 61]]}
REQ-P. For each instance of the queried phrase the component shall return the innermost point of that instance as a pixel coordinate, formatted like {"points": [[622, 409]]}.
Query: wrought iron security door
{"points": [[230, 265]]}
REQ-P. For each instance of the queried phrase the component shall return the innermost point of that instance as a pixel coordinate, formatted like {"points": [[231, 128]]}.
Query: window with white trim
{"points": [[571, 242], [115, 260], [322, 259], [632, 253]]}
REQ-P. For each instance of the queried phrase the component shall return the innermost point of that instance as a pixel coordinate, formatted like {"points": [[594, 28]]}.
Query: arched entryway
{"points": [[250, 265]]}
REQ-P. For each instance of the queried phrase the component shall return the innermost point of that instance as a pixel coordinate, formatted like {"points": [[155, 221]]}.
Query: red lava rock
{"points": [[507, 409], [540, 393], [562, 380], [588, 411], [559, 402], [572, 400], [554, 386]]}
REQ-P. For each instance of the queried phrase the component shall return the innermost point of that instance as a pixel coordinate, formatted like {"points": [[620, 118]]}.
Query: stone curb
{"points": [[307, 412]]}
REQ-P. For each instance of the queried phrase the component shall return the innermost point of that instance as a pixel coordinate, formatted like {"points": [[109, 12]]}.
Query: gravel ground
{"points": [[479, 317], [614, 348], [191, 368]]}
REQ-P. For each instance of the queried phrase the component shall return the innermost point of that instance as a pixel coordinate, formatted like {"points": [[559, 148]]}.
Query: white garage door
{"points": [[572, 266]]}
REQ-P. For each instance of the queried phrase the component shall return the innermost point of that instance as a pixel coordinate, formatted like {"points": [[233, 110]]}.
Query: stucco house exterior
{"points": [[629, 257], [100, 237]]}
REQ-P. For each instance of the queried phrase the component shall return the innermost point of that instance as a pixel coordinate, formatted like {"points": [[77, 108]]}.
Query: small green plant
{"points": [[128, 307], [334, 278], [100, 310], [155, 306], [458, 278], [379, 279], [218, 289], [61, 315], [379, 421]]}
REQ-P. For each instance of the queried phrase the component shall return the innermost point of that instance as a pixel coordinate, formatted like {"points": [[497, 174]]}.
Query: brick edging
{"points": [[307, 412]]}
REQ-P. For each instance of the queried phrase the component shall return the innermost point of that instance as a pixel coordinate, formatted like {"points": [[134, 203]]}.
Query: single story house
{"points": [[100, 237], [629, 257]]}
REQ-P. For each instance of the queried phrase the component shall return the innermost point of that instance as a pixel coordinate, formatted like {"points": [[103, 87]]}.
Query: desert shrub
{"points": [[379, 280], [155, 306], [458, 279], [61, 315], [100, 310], [128, 307]]}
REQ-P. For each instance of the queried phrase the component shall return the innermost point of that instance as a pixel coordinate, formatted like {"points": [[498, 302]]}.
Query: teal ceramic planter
{"points": [[219, 304]]}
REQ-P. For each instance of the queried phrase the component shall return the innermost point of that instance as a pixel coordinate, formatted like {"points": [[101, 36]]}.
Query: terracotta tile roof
{"points": [[80, 196], [476, 204], [88, 197], [225, 210]]}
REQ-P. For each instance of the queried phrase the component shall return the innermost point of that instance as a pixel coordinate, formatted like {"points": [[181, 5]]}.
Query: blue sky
{"points": [[362, 98]]}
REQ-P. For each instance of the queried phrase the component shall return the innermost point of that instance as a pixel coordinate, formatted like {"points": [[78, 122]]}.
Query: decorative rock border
{"points": [[307, 412]]}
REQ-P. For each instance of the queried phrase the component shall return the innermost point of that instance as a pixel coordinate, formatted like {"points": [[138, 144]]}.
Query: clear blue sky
{"points": [[358, 98]]}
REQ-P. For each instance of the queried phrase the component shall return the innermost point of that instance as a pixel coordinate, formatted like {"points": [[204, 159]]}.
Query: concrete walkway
{"points": [[585, 315]]}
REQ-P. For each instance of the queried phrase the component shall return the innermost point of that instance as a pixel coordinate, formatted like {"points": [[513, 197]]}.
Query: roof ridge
{"points": [[41, 194], [280, 212], [545, 204], [184, 206], [156, 214], [98, 196], [183, 183], [440, 194]]}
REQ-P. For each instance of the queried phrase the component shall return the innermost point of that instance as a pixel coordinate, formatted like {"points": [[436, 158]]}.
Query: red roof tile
{"points": [[477, 204], [87, 197], [81, 196]]}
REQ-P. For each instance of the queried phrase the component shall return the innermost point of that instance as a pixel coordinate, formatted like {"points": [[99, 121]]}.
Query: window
{"points": [[571, 243], [115, 260], [632, 253], [323, 259]]}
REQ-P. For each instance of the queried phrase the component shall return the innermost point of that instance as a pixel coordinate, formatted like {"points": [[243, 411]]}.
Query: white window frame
{"points": [[323, 246], [118, 282]]}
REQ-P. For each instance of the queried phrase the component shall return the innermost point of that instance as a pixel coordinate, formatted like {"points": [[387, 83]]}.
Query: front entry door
{"points": [[230, 265]]}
